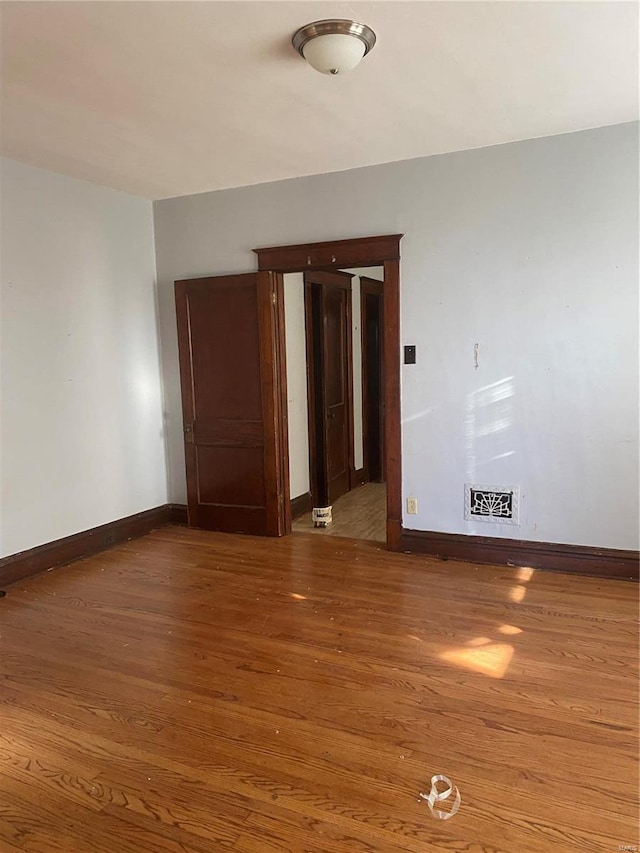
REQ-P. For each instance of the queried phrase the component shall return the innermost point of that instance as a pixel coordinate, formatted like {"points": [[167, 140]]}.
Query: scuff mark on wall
{"points": [[475, 356]]}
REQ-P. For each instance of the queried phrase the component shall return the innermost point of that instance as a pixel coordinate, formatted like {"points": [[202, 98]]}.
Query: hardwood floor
{"points": [[360, 514], [195, 692]]}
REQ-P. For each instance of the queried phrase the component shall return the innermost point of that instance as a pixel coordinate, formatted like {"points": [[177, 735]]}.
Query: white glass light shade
{"points": [[334, 53]]}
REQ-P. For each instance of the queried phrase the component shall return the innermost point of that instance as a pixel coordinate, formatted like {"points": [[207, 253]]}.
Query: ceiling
{"points": [[170, 98]]}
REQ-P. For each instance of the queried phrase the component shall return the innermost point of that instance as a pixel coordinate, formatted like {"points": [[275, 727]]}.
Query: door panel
{"points": [[372, 325], [372, 396], [329, 364], [336, 331], [227, 337], [223, 320], [230, 475]]}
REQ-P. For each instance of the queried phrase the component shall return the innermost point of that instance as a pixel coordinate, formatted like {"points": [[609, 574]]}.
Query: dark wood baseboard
{"points": [[359, 477], [300, 505], [178, 514], [552, 556], [63, 551]]}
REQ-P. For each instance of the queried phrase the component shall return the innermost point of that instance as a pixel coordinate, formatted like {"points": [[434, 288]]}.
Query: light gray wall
{"points": [[81, 424], [530, 251], [297, 409]]}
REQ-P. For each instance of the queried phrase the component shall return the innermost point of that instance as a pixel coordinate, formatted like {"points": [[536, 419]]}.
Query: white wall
{"points": [[82, 433], [296, 350], [529, 250]]}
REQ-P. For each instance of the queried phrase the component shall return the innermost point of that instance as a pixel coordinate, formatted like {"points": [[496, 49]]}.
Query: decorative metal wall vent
{"points": [[491, 503]]}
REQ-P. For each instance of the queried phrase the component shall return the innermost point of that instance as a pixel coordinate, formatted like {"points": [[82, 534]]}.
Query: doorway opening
{"points": [[379, 464], [337, 467]]}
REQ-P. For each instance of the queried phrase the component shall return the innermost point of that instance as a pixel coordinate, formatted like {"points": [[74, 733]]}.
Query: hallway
{"points": [[360, 514]]}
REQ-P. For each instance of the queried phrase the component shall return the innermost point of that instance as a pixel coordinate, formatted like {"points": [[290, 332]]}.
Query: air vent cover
{"points": [[491, 503]]}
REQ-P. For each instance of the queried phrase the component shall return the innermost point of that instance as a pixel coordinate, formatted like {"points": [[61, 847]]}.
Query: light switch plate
{"points": [[410, 354]]}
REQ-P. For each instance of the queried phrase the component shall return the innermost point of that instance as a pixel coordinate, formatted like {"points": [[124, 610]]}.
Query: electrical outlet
{"points": [[412, 506]]}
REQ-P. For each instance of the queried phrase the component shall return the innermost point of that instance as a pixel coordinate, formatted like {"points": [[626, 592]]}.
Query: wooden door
{"points": [[235, 432], [329, 350], [371, 313]]}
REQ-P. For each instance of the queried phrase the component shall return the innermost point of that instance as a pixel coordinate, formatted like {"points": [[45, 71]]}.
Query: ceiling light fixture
{"points": [[334, 46]]}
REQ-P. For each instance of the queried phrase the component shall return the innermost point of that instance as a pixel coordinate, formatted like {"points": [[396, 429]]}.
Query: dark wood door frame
{"points": [[371, 287], [361, 252], [336, 278]]}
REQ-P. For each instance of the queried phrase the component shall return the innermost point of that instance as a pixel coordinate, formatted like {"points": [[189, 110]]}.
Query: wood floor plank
{"points": [[192, 691]]}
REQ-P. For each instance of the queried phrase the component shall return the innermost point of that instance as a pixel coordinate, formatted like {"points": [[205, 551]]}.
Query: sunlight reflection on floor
{"points": [[509, 629], [482, 654], [524, 574], [478, 641], [492, 659]]}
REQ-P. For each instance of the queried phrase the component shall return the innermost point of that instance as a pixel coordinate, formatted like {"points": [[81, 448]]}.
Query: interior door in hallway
{"points": [[235, 446], [371, 321], [330, 357]]}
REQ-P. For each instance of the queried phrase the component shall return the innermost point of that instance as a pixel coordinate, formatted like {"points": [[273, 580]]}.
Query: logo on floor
{"points": [[434, 796]]}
